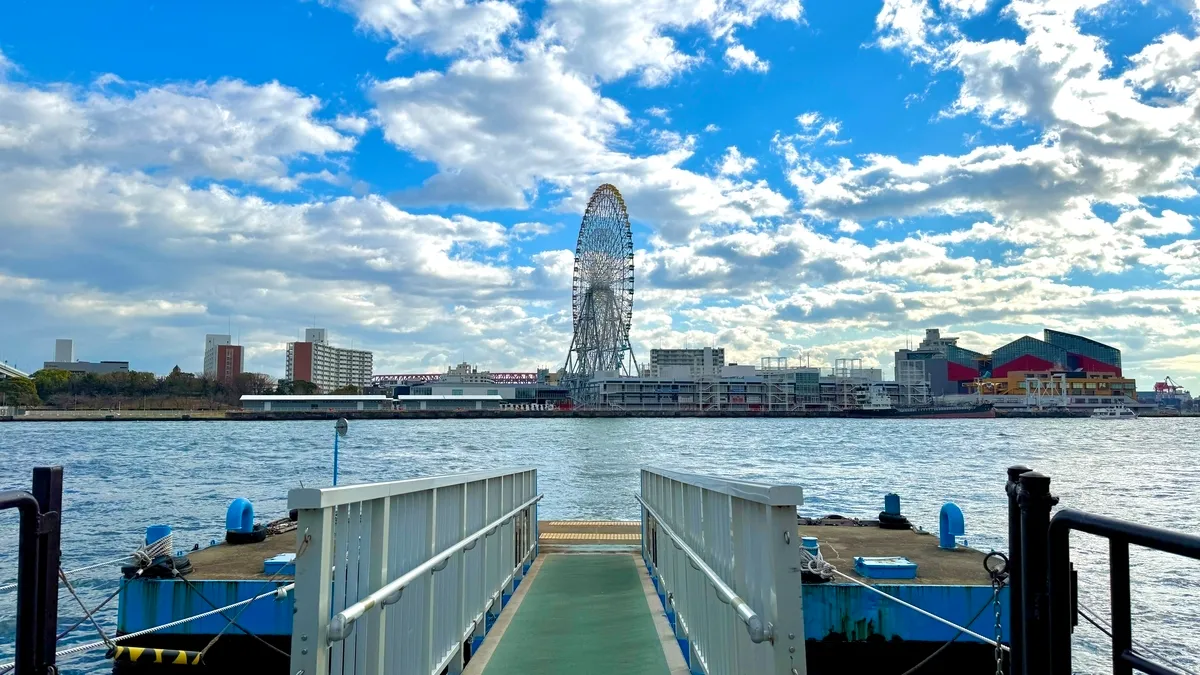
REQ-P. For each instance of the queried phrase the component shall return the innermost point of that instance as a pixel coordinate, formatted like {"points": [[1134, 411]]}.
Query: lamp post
{"points": [[340, 429]]}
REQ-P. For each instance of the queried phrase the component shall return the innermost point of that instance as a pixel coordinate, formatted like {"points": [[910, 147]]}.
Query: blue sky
{"points": [[825, 179]]}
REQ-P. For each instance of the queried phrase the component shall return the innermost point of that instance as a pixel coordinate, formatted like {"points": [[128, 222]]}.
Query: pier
{"points": [[457, 574]]}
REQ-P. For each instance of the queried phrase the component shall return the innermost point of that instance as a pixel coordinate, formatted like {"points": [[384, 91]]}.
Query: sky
{"points": [[807, 179]]}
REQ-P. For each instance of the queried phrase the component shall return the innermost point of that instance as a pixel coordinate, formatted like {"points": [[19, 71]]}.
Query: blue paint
{"points": [[335, 457], [885, 567], [891, 504], [156, 532], [284, 563], [240, 516], [851, 612], [144, 603], [811, 545], [950, 525]]}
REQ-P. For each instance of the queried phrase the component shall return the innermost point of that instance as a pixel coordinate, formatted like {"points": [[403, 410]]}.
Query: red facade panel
{"points": [[1090, 365], [302, 361], [957, 372], [1027, 362]]}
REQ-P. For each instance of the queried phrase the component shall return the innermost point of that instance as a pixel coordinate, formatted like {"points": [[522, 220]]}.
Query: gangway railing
{"points": [[721, 553], [399, 577], [1120, 535], [37, 570]]}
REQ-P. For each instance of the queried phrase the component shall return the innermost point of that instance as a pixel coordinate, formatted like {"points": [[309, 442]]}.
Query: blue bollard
{"points": [[240, 516], [950, 525]]}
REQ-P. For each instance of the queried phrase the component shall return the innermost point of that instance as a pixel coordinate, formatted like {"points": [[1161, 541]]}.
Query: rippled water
{"points": [[122, 476]]}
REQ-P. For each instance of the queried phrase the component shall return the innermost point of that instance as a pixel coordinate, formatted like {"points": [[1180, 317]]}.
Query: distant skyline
{"points": [[819, 178]]}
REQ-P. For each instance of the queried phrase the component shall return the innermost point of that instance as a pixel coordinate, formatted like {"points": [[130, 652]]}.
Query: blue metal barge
{"points": [[844, 626]]}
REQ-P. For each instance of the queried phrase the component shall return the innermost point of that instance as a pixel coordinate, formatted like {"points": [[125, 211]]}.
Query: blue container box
{"points": [[283, 561], [887, 567]]}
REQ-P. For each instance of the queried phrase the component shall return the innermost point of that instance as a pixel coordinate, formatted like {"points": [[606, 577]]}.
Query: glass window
{"points": [[493, 392], [456, 392]]}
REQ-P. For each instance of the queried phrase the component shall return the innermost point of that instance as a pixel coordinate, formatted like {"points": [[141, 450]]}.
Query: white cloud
{"points": [[910, 26], [1171, 62], [734, 164], [352, 124], [528, 231], [440, 26], [661, 113], [848, 226], [738, 57], [225, 130], [964, 8], [711, 129], [500, 129], [610, 39]]}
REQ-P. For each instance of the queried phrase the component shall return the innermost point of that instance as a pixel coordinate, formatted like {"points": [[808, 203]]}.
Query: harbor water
{"points": [[120, 477]]}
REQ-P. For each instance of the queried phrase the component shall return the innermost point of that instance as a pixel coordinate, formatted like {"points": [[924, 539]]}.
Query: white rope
{"points": [[817, 565], [79, 569], [278, 593]]}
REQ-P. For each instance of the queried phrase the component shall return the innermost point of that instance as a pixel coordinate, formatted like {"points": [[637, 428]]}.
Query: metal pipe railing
{"points": [[27, 572], [342, 624], [760, 631]]}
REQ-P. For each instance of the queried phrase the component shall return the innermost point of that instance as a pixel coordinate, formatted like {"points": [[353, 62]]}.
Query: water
{"points": [[121, 477]]}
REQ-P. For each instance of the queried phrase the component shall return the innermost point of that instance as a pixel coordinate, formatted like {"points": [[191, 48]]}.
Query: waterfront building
{"points": [[447, 402], [734, 387], [939, 363], [223, 361], [86, 367], [64, 351], [320, 402], [700, 362], [326, 366]]}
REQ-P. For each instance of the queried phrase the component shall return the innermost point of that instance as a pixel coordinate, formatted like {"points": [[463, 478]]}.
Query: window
{"points": [[493, 392], [456, 392]]}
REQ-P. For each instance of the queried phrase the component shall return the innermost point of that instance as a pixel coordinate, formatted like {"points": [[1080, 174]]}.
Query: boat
{"points": [[931, 411], [875, 402], [1117, 412]]}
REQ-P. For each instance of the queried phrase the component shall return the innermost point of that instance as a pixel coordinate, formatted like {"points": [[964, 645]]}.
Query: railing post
{"points": [[310, 622], [1060, 597], [27, 570], [1035, 501], [1122, 621], [47, 489], [1016, 619], [788, 615], [378, 575]]}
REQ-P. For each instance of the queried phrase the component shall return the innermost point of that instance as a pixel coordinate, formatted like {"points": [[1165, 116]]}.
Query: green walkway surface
{"points": [[583, 615]]}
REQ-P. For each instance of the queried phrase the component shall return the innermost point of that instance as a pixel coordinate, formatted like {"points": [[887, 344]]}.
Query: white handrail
{"points": [[342, 624], [760, 631]]}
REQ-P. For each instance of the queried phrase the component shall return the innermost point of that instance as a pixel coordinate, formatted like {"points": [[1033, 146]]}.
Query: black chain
{"points": [[999, 574]]}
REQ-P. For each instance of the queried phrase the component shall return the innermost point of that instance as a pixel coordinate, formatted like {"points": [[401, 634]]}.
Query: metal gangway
{"points": [[408, 577]]}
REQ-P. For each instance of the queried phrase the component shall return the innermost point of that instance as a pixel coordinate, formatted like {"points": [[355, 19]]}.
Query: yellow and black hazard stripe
{"points": [[152, 655]]}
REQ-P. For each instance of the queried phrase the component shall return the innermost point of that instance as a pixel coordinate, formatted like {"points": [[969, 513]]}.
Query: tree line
{"points": [[60, 388]]}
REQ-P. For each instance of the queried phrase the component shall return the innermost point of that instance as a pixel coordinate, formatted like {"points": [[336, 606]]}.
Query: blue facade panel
{"points": [[851, 612]]}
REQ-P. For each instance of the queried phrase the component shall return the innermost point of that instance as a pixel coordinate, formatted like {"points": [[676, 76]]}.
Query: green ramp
{"points": [[583, 615]]}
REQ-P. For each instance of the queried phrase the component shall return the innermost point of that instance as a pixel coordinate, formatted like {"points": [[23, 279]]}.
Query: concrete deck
{"points": [[841, 541]]}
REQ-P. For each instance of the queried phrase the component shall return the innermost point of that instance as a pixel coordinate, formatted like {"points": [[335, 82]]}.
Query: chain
{"points": [[999, 573], [996, 584]]}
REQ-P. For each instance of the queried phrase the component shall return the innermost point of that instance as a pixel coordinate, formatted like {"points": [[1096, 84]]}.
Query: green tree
{"points": [[304, 388], [19, 391], [50, 381], [348, 389]]}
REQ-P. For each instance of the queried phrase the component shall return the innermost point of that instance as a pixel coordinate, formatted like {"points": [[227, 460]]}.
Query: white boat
{"points": [[1117, 412]]}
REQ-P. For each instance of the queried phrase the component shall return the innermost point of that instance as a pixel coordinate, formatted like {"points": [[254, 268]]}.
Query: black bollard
{"points": [[1015, 607], [1035, 501]]}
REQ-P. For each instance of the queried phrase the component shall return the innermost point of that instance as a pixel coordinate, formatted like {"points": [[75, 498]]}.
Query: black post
{"points": [[47, 489], [27, 569], [1035, 501], [1122, 622], [1061, 612], [1016, 621]]}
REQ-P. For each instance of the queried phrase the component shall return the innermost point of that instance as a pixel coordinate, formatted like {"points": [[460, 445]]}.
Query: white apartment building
{"points": [[326, 366]]}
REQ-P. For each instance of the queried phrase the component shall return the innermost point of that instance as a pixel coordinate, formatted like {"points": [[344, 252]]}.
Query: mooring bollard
{"points": [[1034, 500], [1015, 618]]}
